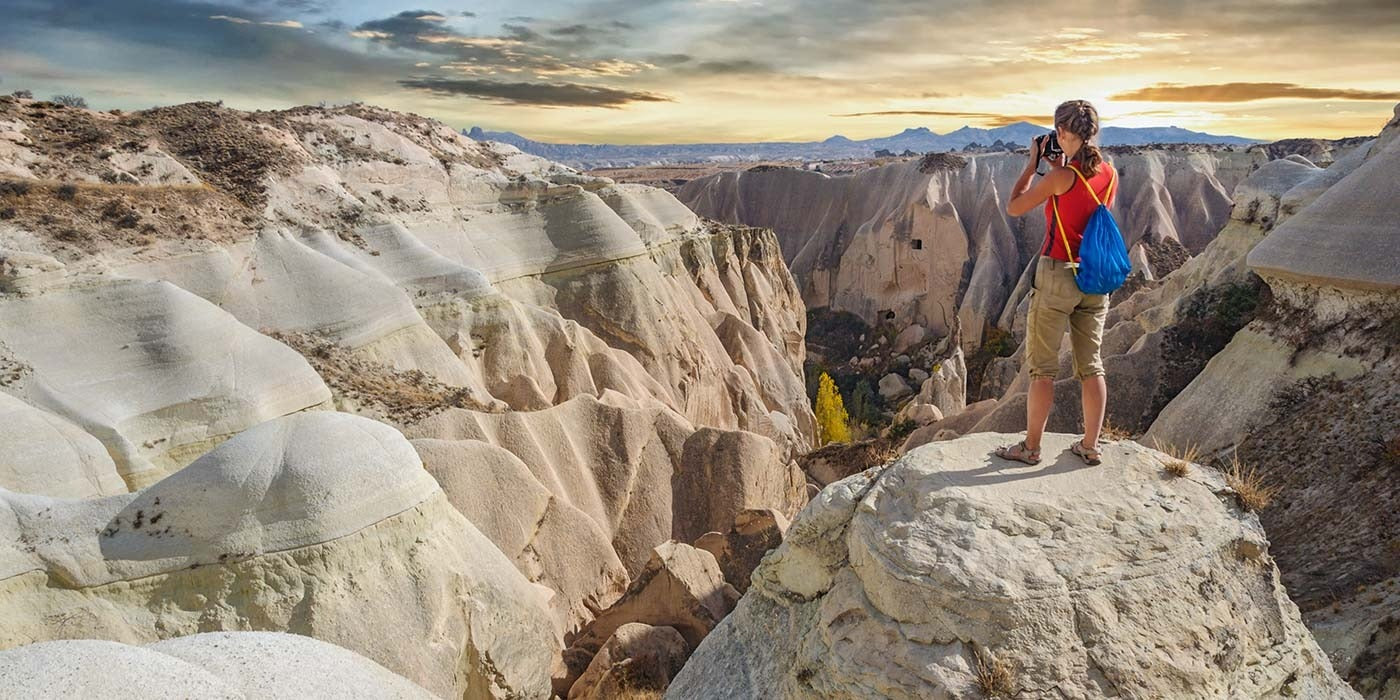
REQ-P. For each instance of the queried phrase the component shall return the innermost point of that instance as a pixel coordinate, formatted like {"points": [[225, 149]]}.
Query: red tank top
{"points": [[1076, 205]]}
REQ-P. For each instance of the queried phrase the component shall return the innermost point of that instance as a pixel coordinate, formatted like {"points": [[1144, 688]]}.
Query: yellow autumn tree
{"points": [[831, 413]]}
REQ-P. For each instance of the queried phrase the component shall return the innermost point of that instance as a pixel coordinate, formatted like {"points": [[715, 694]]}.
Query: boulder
{"points": [[681, 587], [722, 473], [953, 425], [209, 665], [1065, 580], [893, 387], [909, 337], [739, 550], [636, 658], [921, 413]]}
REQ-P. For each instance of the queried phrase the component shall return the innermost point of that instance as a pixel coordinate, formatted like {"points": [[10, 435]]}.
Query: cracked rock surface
{"points": [[1116, 580]]}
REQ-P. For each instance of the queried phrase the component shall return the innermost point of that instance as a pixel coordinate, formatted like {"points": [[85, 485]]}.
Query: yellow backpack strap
{"points": [[1064, 238], [1092, 193], [1108, 192]]}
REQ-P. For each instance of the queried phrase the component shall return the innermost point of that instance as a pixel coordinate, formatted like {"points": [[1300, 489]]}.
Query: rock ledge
{"points": [[1117, 580]]}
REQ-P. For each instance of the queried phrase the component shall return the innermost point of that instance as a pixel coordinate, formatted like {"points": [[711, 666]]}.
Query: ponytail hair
{"points": [[1081, 119]]}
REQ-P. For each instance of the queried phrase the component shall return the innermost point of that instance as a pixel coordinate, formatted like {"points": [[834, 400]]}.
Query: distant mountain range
{"points": [[918, 140]]}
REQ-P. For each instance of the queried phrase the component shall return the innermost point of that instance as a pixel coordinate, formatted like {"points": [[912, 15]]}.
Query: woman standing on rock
{"points": [[1078, 180]]}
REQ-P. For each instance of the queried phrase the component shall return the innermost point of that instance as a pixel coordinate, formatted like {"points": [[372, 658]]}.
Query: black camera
{"points": [[1051, 148]]}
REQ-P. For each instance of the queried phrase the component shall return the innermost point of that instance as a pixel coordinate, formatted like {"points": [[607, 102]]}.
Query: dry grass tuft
{"points": [[1251, 492], [994, 676], [1178, 462], [1114, 433]]}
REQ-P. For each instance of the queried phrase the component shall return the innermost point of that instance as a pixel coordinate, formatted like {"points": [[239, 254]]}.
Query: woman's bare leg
{"points": [[1094, 395], [1038, 401]]}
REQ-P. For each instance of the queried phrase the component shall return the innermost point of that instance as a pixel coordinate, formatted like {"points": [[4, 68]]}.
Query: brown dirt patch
{"points": [[83, 218], [934, 162], [405, 396]]}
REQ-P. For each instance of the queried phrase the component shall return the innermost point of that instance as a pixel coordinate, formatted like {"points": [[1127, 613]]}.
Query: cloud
{"points": [[984, 117], [731, 67], [1245, 92], [286, 24], [536, 94], [234, 20], [407, 24]]}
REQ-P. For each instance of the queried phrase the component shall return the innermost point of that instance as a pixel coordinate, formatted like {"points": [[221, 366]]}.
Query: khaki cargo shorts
{"points": [[1055, 300]]}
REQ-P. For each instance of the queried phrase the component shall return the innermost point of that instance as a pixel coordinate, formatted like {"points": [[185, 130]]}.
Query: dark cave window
{"points": [[918, 244]]}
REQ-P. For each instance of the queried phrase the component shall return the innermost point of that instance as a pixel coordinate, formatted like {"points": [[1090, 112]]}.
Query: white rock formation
{"points": [[515, 281], [211, 665], [579, 494], [553, 340], [1082, 582], [42, 453], [154, 372], [320, 523]]}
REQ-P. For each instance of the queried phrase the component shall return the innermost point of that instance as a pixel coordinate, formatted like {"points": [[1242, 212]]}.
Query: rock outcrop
{"points": [[1065, 580], [681, 588], [321, 524], [637, 658], [211, 665], [1306, 394]]}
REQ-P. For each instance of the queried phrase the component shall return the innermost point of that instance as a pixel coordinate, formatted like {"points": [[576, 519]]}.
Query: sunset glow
{"points": [[653, 71]]}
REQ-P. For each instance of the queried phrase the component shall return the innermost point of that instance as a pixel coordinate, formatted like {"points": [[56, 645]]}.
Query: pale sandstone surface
{"points": [[45, 454], [578, 495], [155, 373], [893, 581], [1346, 237], [209, 665], [322, 524]]}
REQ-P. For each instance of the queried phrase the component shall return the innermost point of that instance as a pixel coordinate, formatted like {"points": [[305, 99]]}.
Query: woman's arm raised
{"points": [[1025, 196]]}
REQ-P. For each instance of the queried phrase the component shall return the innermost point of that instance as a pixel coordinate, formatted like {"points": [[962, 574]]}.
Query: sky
{"points": [[678, 71]]}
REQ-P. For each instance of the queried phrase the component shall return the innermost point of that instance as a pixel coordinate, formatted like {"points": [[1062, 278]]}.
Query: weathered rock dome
{"points": [[1113, 581]]}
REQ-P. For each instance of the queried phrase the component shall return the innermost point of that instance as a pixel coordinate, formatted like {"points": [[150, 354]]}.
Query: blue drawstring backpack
{"points": [[1103, 257]]}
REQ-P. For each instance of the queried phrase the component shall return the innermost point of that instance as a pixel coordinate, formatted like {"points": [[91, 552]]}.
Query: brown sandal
{"points": [[1090, 455], [1019, 452]]}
